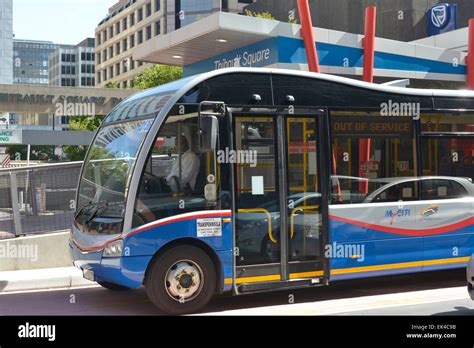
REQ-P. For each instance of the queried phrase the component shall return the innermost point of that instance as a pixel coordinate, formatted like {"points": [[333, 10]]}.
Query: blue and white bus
{"points": [[250, 180]]}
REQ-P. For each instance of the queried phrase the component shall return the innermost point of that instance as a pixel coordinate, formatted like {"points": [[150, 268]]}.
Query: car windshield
{"points": [[107, 169]]}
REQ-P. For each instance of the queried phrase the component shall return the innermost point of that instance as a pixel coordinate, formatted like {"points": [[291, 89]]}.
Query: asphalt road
{"points": [[433, 293]]}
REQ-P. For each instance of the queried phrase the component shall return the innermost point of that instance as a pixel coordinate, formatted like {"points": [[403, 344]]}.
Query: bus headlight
{"points": [[113, 249]]}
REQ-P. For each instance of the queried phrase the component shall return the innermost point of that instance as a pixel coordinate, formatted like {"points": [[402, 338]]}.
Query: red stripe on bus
{"points": [[404, 231], [178, 218]]}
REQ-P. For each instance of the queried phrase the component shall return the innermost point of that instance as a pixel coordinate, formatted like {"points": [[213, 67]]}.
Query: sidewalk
{"points": [[46, 278]]}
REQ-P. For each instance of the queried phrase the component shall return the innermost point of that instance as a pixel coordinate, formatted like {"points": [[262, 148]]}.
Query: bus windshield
{"points": [[107, 169]]}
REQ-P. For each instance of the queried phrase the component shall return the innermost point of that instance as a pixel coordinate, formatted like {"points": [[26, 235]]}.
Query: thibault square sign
{"points": [[10, 136]]}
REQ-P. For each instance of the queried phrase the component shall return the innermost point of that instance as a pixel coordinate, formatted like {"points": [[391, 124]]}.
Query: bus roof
{"points": [[162, 98], [192, 81]]}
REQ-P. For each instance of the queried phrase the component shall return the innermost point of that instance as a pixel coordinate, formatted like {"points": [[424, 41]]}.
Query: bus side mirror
{"points": [[208, 129]]}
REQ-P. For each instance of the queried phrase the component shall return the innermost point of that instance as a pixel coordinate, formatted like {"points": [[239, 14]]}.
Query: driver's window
{"points": [[177, 178]]}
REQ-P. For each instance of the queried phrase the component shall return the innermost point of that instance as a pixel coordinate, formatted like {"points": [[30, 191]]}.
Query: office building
{"points": [[401, 20], [6, 42], [30, 61], [73, 66], [130, 23]]}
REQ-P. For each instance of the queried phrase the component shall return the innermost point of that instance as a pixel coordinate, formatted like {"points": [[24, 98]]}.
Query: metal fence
{"points": [[37, 199]]}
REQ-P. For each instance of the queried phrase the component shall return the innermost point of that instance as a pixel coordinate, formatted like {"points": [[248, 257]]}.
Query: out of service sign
{"points": [[209, 227]]}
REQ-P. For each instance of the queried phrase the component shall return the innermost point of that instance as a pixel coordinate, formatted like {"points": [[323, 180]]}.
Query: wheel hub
{"points": [[183, 280]]}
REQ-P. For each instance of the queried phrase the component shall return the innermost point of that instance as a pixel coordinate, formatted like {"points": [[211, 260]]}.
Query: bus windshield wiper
{"points": [[84, 206], [101, 205]]}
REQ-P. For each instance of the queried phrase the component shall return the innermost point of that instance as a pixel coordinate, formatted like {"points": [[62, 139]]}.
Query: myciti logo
{"points": [[439, 15]]}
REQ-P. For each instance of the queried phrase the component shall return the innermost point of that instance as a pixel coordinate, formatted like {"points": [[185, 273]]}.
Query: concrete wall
{"points": [[44, 251], [348, 15]]}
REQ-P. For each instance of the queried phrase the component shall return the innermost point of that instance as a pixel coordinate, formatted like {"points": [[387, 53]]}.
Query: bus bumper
{"points": [[125, 271], [470, 277]]}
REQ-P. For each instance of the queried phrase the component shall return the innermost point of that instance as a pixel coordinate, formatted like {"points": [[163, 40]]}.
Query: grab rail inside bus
{"points": [[293, 214], [266, 212]]}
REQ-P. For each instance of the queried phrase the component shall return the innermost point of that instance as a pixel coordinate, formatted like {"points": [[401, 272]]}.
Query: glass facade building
{"points": [[180, 13], [6, 42], [30, 61]]}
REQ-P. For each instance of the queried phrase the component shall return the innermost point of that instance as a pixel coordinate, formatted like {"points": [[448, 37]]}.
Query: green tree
{"points": [[37, 152], [85, 124], [267, 15], [157, 75], [112, 84], [264, 15]]}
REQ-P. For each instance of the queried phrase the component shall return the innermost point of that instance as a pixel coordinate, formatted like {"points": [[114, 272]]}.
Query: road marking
{"points": [[73, 288], [347, 305]]}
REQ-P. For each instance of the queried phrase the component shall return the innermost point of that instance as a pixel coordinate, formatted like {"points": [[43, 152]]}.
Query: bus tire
{"points": [[112, 286], [181, 280]]}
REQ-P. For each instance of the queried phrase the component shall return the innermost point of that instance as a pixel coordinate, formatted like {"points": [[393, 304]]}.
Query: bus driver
{"points": [[190, 164]]}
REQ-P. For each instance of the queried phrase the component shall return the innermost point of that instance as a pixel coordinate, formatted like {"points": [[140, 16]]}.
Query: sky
{"points": [[60, 21]]}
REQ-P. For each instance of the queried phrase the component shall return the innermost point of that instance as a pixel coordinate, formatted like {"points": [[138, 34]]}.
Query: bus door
{"points": [[278, 201]]}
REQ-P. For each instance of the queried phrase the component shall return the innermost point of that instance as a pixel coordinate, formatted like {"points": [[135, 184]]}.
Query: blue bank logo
{"points": [[439, 15]]}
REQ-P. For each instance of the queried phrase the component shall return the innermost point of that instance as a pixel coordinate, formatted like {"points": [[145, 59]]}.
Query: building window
{"points": [[132, 41], [132, 64], [148, 9], [111, 31], [125, 65], [132, 19], [111, 52], [111, 72], [148, 32], [117, 69], [104, 55], [157, 5], [140, 36], [117, 28], [124, 84], [124, 23], [140, 14], [124, 45], [97, 38], [83, 55], [117, 48], [105, 74], [157, 28], [104, 34]]}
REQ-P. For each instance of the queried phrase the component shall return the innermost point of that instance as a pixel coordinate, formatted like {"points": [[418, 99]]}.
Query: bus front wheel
{"points": [[181, 280]]}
